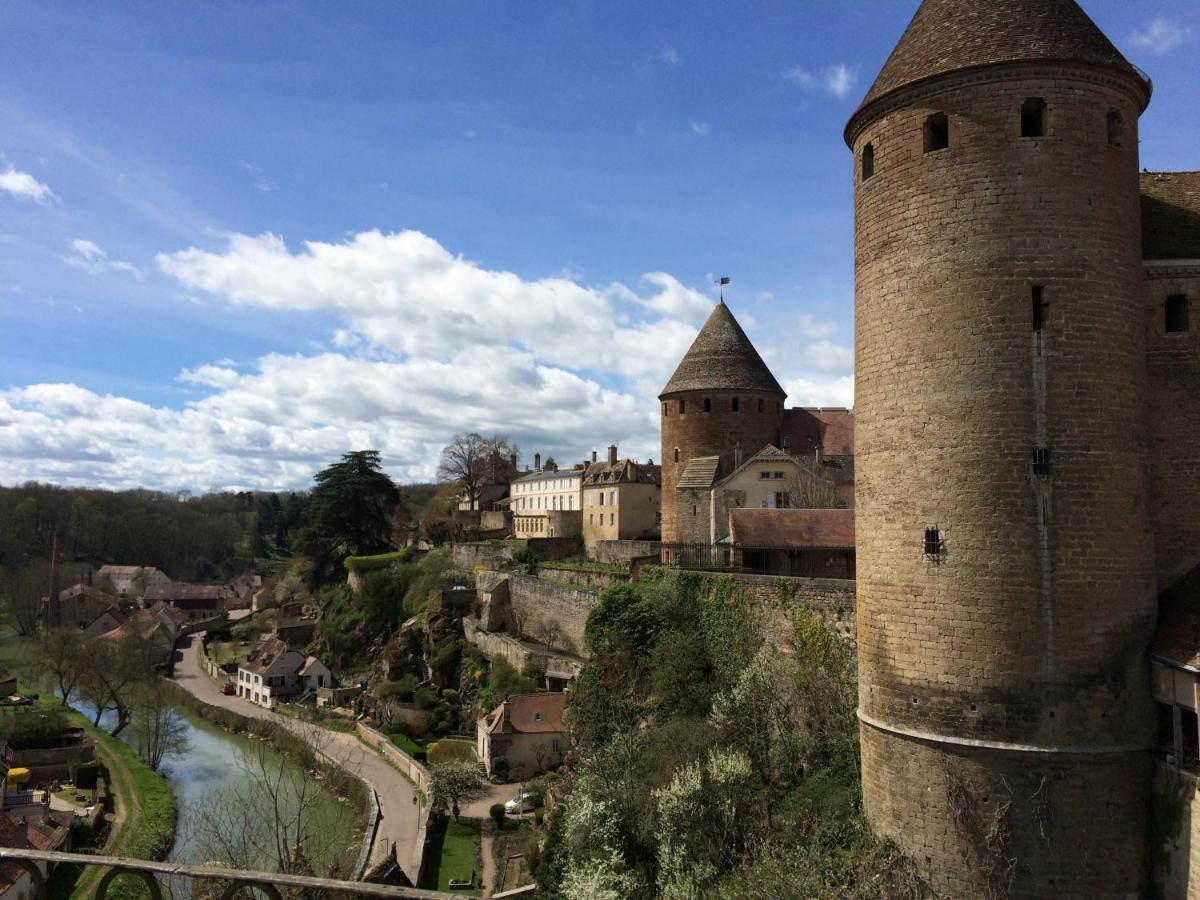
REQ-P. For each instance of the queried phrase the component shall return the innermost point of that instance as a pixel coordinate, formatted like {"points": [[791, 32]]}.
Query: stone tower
{"points": [[1005, 571], [722, 402]]}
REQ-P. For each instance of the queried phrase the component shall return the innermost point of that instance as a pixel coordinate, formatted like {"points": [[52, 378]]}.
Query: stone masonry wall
{"points": [[1027, 626], [584, 578], [774, 599], [1177, 875], [624, 552], [533, 601]]}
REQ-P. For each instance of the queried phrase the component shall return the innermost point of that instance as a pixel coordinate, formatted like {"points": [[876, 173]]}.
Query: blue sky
{"points": [[237, 239]]}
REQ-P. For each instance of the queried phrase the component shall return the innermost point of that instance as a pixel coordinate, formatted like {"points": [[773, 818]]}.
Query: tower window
{"points": [[1176, 309], [666, 409], [933, 542], [682, 407], [937, 132], [735, 404], [1041, 462], [1039, 307], [1116, 128], [708, 404], [1033, 118], [868, 162], [760, 404], [676, 454]]}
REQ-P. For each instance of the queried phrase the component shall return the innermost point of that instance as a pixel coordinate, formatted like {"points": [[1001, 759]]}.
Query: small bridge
{"points": [[236, 882]]}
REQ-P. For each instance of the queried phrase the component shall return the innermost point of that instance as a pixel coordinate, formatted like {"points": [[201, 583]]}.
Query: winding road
{"points": [[398, 798]]}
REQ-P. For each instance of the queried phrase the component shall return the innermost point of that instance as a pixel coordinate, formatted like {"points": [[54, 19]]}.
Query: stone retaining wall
{"points": [[775, 598], [622, 553], [414, 772], [533, 602], [584, 578]]}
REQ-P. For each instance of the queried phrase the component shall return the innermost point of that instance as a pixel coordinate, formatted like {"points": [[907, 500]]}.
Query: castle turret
{"points": [[722, 397], [1005, 575]]}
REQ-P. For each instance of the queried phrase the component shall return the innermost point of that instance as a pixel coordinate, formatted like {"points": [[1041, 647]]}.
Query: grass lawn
{"points": [[229, 652], [456, 856], [16, 654], [451, 751]]}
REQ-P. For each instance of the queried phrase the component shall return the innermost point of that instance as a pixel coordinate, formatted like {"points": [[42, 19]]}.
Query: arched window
{"points": [[937, 132], [1033, 118], [868, 162], [1116, 128]]}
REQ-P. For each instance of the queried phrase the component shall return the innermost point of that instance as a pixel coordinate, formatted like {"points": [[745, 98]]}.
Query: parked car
{"points": [[523, 802], [228, 688]]}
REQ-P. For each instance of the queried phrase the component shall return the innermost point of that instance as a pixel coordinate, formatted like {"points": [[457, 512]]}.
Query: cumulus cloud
{"points": [[838, 79], [1161, 36], [86, 255], [24, 186]]}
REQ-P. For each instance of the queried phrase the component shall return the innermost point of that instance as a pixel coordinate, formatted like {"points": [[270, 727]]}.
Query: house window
{"points": [[612, 518], [735, 404], [555, 747], [707, 404], [781, 500], [868, 162], [933, 542], [591, 519], [612, 498], [1039, 307], [937, 132], [1041, 462], [1033, 118], [764, 474], [602, 498], [1116, 128], [1176, 310]]}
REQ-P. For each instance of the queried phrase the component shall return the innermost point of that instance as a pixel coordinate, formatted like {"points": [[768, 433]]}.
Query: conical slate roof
{"points": [[722, 359], [950, 35]]}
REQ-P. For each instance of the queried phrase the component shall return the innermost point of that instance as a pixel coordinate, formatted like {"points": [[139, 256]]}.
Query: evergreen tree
{"points": [[350, 509]]}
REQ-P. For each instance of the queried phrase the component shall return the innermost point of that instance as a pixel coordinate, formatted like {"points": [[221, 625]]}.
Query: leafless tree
{"points": [[548, 632], [542, 755], [23, 591], [810, 486], [113, 668], [159, 731], [60, 659], [471, 461]]}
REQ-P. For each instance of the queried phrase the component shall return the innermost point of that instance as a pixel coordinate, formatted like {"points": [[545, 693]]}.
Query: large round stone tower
{"points": [[1005, 580], [721, 402]]}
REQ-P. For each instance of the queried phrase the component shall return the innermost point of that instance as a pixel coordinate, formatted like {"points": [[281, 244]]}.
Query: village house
{"points": [[275, 672], [43, 834], [128, 580], [548, 502], [295, 623], [621, 500], [111, 618], [805, 543], [80, 604], [527, 731], [196, 601]]}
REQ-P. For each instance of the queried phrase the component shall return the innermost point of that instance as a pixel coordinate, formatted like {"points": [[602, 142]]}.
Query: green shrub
{"points": [[401, 689], [496, 811], [425, 697], [33, 727], [500, 766], [379, 561], [85, 775]]}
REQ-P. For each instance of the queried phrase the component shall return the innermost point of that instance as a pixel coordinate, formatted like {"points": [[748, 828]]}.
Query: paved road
{"points": [[397, 796]]}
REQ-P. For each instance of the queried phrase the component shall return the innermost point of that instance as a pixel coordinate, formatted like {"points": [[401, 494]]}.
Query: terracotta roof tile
{"points": [[831, 529], [530, 713], [951, 35], [722, 358], [1171, 215]]}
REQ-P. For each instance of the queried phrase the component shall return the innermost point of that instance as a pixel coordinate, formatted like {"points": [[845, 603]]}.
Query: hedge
{"points": [[381, 561]]}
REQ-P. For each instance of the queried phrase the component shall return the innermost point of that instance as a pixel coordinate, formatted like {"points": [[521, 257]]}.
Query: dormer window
{"points": [[937, 132], [1033, 118]]}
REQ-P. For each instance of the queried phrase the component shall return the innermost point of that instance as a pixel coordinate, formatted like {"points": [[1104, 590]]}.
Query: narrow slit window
{"points": [[735, 404], [760, 404], [1033, 118], [937, 132], [1041, 462], [1039, 307], [933, 542], [666, 409], [868, 162], [1176, 310], [1116, 128], [682, 407], [707, 404], [676, 454]]}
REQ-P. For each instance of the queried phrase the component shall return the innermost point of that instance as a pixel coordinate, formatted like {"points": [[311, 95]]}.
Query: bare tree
{"points": [[159, 731], [60, 659], [548, 632], [22, 598], [113, 668], [542, 754], [472, 461], [810, 486]]}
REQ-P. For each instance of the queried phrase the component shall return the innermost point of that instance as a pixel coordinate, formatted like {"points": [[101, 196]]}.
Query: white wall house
{"points": [[275, 672]]}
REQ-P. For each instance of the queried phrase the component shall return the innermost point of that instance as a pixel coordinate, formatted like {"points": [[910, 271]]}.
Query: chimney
{"points": [[593, 456], [537, 462], [650, 461], [612, 454], [514, 460]]}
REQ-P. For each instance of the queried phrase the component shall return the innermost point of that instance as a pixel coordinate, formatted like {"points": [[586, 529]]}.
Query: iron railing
{"points": [[838, 563], [270, 884]]}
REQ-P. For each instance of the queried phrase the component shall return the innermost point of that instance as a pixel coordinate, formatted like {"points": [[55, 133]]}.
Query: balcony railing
{"points": [[270, 884]]}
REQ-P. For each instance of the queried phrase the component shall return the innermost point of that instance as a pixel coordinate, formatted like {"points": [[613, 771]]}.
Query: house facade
{"points": [[128, 580], [621, 500], [275, 672], [195, 601], [527, 731], [547, 503]]}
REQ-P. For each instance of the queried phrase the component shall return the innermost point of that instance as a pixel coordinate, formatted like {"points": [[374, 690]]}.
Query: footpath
{"points": [[399, 801]]}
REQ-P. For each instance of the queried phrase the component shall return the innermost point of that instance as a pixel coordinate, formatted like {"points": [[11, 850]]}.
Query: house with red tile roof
{"points": [[527, 731], [275, 672]]}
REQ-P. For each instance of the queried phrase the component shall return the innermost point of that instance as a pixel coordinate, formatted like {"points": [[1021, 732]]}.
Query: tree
{"points": [[159, 731], [23, 596], [471, 461], [60, 659], [349, 512], [113, 669], [550, 633], [810, 486], [455, 783]]}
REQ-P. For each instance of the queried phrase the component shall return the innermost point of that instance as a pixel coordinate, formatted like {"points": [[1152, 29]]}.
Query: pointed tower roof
{"points": [[951, 35], [721, 359]]}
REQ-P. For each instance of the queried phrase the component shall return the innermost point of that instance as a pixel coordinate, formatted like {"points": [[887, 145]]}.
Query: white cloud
{"points": [[24, 186], [1161, 36], [669, 56], [838, 79], [86, 255], [262, 183], [701, 128]]}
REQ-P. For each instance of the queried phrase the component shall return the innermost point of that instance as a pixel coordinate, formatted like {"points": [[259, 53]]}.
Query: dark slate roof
{"points": [[825, 529], [722, 359], [1171, 215], [950, 35], [625, 471]]}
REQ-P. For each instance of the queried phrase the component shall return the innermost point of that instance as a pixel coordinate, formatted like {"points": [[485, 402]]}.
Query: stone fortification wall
{"points": [[1000, 312], [533, 601], [519, 653], [774, 599], [623, 553], [489, 554], [584, 578]]}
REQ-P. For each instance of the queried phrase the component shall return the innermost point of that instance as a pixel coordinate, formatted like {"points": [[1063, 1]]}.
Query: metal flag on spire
{"points": [[722, 281]]}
